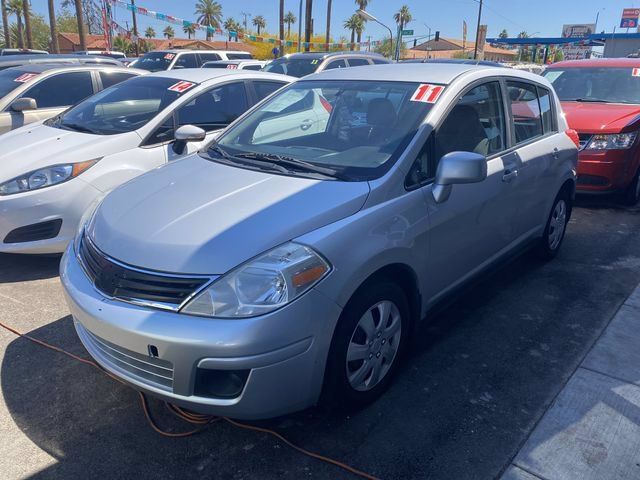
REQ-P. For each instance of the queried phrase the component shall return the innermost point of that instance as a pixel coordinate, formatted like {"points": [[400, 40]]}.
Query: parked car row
{"points": [[249, 244]]}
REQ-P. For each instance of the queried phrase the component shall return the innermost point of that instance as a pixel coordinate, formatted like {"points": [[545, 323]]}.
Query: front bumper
{"points": [[606, 171], [67, 202], [285, 351]]}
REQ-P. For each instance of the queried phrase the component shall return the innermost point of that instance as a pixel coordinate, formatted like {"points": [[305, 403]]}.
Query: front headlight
{"points": [[261, 285], [45, 177], [616, 141]]}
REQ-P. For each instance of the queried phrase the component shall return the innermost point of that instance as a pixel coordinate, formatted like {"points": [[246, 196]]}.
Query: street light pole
{"points": [[475, 50], [367, 16], [300, 27]]}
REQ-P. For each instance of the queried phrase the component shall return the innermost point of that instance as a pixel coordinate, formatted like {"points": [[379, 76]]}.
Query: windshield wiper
{"points": [[77, 127], [293, 162], [261, 164], [589, 100]]}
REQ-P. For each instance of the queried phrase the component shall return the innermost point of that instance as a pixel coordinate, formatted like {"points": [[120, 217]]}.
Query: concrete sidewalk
{"points": [[592, 429]]}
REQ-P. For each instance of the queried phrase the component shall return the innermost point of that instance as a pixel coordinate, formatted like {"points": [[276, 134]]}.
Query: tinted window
{"points": [[612, 85], [296, 67], [379, 61], [215, 64], [13, 78], [352, 127], [209, 57], [215, 108], [61, 90], [545, 108], [187, 60], [357, 62], [525, 111], [124, 107], [264, 89], [111, 78], [252, 67], [239, 56], [336, 64], [155, 61]]}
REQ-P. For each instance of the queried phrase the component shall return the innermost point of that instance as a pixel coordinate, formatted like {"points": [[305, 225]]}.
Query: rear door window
{"points": [[548, 120], [264, 89], [215, 108], [209, 57], [336, 64], [111, 78], [61, 90], [357, 62], [187, 60], [525, 111]]}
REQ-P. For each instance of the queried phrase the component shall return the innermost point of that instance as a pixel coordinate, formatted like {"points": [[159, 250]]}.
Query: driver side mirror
{"points": [[457, 168], [24, 104], [187, 134]]}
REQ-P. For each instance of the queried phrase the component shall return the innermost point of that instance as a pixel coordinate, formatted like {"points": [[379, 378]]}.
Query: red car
{"points": [[601, 101]]}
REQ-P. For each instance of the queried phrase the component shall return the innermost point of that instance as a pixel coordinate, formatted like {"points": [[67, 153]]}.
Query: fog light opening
{"points": [[220, 383]]}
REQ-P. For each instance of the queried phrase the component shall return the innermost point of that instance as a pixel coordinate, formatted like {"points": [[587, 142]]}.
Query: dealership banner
{"points": [[576, 51], [163, 17], [630, 18]]}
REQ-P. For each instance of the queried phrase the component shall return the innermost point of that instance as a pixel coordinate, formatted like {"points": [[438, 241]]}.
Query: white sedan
{"points": [[52, 172]]}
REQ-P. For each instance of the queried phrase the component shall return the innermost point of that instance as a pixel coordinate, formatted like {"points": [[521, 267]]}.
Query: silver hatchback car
{"points": [[289, 262]]}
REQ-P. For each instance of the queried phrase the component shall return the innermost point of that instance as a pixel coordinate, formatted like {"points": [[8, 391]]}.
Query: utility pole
{"points": [[475, 50], [135, 26], [245, 15], [300, 27], [308, 24]]}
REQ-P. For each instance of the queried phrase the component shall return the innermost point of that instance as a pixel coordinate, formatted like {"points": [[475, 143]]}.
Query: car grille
{"points": [[584, 139], [148, 369], [127, 283]]}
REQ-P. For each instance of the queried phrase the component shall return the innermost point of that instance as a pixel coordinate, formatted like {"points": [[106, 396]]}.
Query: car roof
{"points": [[200, 75], [441, 73], [52, 58], [598, 62], [464, 61], [184, 50], [332, 54], [44, 67]]}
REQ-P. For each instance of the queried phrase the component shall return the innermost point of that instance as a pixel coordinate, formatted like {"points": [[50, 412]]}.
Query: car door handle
{"points": [[509, 175], [556, 154], [306, 124]]}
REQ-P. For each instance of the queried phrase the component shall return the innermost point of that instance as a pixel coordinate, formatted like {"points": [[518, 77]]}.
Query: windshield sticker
{"points": [[169, 56], [314, 62], [552, 75], [636, 72], [427, 93], [25, 77], [232, 66], [181, 87]]}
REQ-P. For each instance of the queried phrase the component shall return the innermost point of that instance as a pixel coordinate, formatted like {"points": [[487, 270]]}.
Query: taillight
{"points": [[573, 135]]}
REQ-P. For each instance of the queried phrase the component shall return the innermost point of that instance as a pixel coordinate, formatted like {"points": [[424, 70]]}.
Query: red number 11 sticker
{"points": [[427, 93]]}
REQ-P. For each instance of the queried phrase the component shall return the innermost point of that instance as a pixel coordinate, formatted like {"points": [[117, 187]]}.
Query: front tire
{"points": [[632, 193], [556, 227], [367, 346]]}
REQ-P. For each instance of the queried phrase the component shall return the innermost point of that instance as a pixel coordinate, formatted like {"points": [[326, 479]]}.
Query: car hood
{"points": [[201, 217], [601, 117], [32, 147]]}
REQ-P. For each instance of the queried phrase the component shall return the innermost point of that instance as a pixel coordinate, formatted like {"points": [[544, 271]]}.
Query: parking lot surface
{"points": [[480, 376]]}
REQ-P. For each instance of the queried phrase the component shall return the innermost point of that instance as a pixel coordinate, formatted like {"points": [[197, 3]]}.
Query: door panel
{"points": [[12, 120]]}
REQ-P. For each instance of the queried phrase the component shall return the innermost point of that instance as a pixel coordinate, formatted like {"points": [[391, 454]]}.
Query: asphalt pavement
{"points": [[482, 373]]}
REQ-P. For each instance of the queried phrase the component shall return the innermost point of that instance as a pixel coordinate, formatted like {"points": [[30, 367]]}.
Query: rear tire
{"points": [[556, 227], [373, 332], [632, 193]]}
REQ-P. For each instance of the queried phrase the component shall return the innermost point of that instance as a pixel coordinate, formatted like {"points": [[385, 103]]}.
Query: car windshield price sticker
{"points": [[635, 72], [427, 93], [181, 87], [169, 56], [25, 77], [232, 67]]}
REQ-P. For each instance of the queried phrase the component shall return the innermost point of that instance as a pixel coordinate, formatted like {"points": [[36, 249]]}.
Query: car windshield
{"points": [[296, 67], [155, 61], [11, 79], [609, 85], [124, 107], [352, 130]]}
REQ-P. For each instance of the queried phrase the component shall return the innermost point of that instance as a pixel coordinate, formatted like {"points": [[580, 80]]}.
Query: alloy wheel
{"points": [[373, 345], [557, 224]]}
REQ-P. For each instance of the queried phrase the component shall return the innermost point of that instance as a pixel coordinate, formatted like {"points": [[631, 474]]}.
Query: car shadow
{"points": [[21, 268]]}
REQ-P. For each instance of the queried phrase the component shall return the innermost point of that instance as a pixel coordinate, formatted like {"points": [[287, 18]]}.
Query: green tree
{"points": [[122, 44], [289, 19], [355, 24], [403, 16], [15, 8], [230, 25], [259, 22], [189, 30], [387, 49], [67, 22], [504, 33], [5, 24], [39, 30], [559, 55], [146, 46], [168, 32], [362, 5], [82, 32], [26, 11], [150, 32], [209, 13]]}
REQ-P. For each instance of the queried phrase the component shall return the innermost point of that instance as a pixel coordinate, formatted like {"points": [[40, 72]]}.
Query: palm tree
{"points": [[281, 19], [403, 16], [308, 23], [289, 19], [189, 30], [15, 8], [5, 23], [259, 22], [82, 32], [168, 32], [328, 34], [149, 32], [27, 22], [122, 44], [355, 24], [55, 48], [362, 5], [230, 25], [210, 14]]}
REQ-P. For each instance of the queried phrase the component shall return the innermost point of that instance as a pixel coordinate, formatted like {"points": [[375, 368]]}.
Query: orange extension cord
{"points": [[202, 421]]}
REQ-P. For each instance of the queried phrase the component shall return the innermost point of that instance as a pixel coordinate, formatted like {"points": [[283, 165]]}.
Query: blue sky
{"points": [[544, 16]]}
